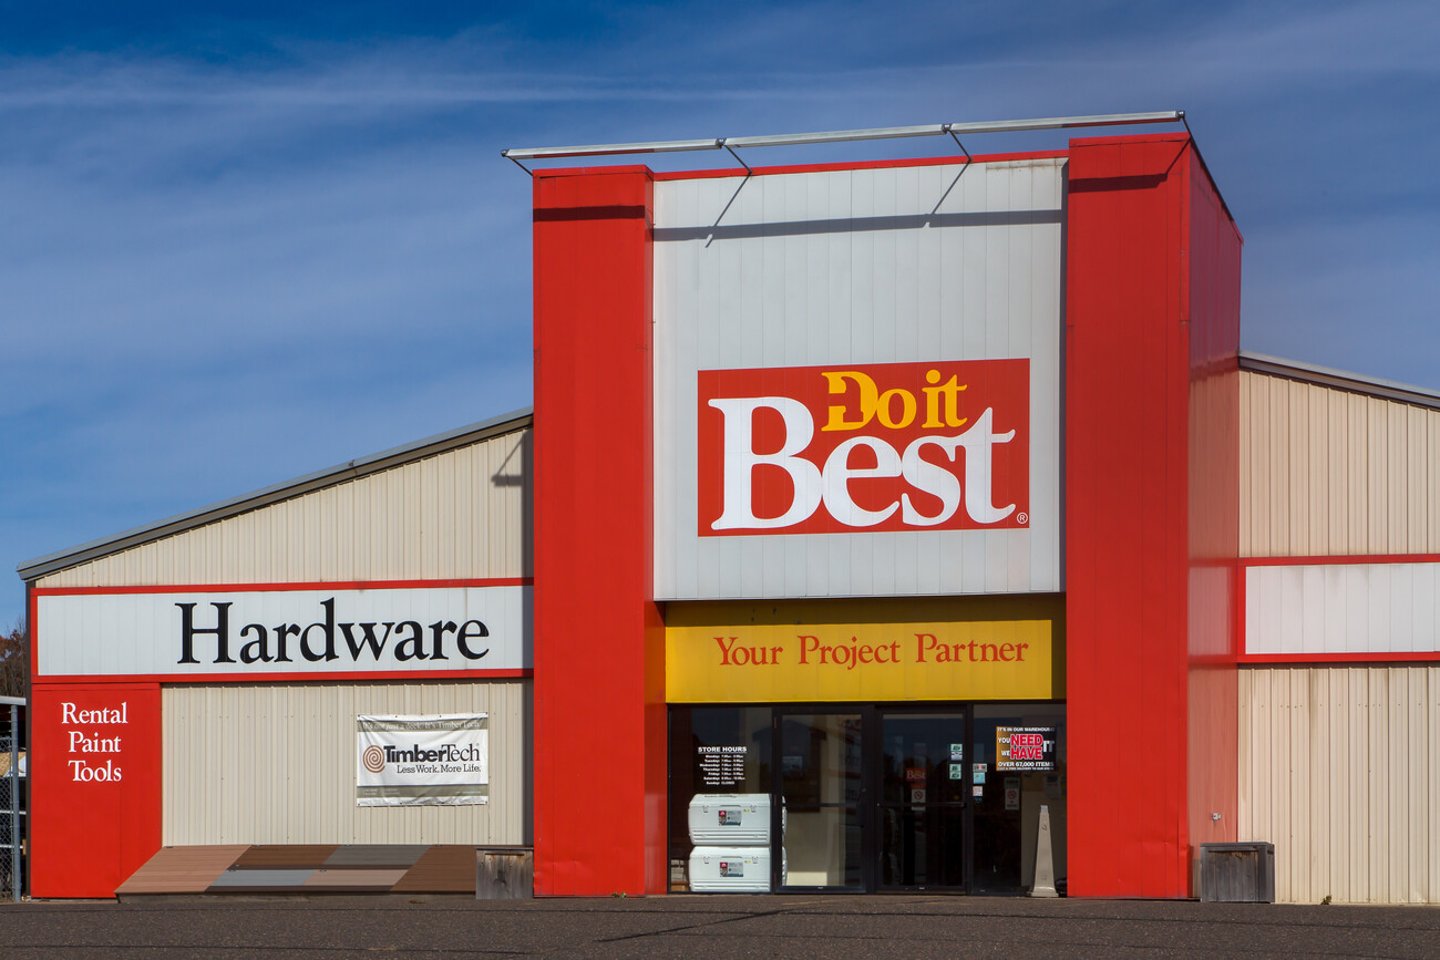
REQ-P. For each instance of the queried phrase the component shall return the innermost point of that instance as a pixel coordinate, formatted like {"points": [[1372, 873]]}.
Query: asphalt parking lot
{"points": [[708, 927]]}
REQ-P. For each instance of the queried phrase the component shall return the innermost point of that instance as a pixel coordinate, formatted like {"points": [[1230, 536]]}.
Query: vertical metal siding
{"points": [[1326, 471], [276, 764], [1340, 769], [856, 266], [463, 513]]}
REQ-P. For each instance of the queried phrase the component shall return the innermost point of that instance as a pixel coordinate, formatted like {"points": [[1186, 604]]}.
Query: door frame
{"points": [[872, 717], [778, 713], [965, 710]]}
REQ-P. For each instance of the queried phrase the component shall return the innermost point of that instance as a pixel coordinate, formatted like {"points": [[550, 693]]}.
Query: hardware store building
{"points": [[886, 505]]}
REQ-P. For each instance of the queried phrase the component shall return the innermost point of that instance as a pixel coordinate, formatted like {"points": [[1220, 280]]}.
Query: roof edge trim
{"points": [[350, 470], [1341, 380]]}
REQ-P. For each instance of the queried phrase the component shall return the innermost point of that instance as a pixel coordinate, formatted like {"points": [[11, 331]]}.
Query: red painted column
{"points": [[599, 717], [1213, 299], [1126, 556], [95, 787]]}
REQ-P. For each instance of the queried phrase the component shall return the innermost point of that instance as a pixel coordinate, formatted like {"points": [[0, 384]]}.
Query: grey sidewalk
{"points": [[712, 927]]}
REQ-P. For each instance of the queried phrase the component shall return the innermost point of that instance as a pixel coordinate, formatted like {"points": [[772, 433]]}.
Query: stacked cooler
{"points": [[731, 833]]}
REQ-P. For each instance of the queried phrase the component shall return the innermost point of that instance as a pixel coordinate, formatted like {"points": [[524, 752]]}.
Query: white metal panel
{"points": [[143, 633], [1337, 768], [276, 764], [1342, 608], [942, 262], [461, 514]]}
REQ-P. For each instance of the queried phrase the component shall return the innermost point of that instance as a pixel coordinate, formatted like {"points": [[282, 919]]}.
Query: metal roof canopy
{"points": [[839, 136]]}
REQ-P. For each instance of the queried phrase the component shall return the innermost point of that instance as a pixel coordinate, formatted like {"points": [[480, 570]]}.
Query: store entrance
{"points": [[863, 798], [920, 810], [871, 799]]}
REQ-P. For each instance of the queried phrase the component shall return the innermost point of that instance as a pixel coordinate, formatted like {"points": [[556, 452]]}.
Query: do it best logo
{"points": [[893, 446]]}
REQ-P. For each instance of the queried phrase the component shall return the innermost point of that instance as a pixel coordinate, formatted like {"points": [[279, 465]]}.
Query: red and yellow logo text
{"points": [[894, 446]]}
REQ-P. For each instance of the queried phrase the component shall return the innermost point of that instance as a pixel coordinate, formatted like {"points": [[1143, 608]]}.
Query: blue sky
{"points": [[243, 242]]}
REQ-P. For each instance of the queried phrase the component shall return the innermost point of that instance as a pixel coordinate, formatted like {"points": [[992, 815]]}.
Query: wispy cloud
{"points": [[221, 271]]}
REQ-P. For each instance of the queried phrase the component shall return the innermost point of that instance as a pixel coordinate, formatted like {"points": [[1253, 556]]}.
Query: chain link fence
{"points": [[13, 783]]}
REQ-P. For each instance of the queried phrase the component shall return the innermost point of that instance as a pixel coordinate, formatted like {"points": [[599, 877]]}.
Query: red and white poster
{"points": [[1025, 748], [871, 447]]}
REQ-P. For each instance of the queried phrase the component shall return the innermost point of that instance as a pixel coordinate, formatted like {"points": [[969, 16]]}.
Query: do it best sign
{"points": [[878, 447]]}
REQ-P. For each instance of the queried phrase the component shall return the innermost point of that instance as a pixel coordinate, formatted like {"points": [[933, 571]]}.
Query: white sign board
{"points": [[307, 629], [422, 760], [841, 356], [1342, 610]]}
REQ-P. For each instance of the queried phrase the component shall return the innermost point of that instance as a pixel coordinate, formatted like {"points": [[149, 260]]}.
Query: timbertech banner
{"points": [[422, 760]]}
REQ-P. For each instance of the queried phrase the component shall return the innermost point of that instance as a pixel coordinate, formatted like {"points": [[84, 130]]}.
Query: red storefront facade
{"points": [[1150, 454]]}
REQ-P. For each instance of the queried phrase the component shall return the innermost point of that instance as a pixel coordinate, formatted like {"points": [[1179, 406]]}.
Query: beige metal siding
{"points": [[276, 764], [1326, 471], [1340, 769], [463, 513]]}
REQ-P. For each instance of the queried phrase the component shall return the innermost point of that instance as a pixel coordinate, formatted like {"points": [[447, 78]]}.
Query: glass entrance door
{"points": [[1018, 758], [821, 795], [921, 804]]}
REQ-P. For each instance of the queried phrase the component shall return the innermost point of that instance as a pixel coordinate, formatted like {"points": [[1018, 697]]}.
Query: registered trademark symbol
{"points": [[1022, 518]]}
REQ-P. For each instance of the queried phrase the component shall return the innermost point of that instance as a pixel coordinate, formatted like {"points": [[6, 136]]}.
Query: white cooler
{"points": [[730, 870], [723, 819]]}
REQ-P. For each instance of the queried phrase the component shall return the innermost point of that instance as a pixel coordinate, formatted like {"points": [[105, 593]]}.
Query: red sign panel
{"points": [[878, 447], [95, 787]]}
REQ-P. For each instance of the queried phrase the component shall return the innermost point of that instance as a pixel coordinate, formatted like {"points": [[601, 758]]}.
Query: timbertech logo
{"points": [[897, 446], [373, 758]]}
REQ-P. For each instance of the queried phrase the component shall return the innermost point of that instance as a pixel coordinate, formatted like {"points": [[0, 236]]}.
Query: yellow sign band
{"points": [[853, 650]]}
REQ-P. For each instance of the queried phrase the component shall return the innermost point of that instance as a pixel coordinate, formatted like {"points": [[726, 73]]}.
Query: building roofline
{"points": [[1341, 380], [350, 470]]}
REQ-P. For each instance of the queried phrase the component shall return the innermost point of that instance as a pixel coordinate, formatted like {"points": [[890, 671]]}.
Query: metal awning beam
{"points": [[843, 136], [610, 149]]}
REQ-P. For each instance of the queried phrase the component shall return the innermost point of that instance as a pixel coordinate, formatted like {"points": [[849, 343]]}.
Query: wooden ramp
{"points": [[181, 870], [305, 869]]}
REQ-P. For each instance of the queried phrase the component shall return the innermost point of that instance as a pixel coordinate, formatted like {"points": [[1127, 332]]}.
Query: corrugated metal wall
{"points": [[945, 262], [249, 763], [1340, 769], [266, 763], [1340, 765], [461, 513], [1326, 471]]}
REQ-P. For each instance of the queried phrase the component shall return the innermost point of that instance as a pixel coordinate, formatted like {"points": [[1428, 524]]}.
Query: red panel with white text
{"points": [[95, 786], [844, 449]]}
